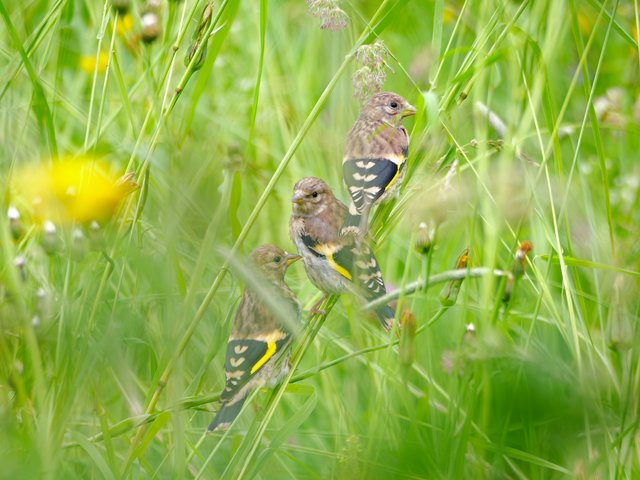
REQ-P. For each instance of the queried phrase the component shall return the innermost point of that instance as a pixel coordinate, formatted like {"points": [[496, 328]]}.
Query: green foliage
{"points": [[112, 344]]}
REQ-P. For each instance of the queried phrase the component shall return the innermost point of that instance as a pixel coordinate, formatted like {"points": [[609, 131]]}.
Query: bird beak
{"points": [[290, 258], [297, 198], [409, 110]]}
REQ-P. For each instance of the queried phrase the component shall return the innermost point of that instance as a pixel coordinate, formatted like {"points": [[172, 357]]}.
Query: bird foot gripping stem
{"points": [[316, 310]]}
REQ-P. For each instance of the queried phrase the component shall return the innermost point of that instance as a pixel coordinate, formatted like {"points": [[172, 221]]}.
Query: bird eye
{"points": [[314, 194], [277, 259], [393, 104]]}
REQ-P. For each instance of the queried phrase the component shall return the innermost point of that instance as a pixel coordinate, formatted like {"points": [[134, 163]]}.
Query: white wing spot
{"points": [[367, 165], [239, 349], [236, 361], [366, 178]]}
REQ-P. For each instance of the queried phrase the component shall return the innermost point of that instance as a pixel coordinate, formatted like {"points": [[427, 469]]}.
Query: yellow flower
{"points": [[124, 24], [88, 63], [80, 190]]}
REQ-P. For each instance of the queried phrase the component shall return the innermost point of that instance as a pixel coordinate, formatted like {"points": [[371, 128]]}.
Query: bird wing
{"points": [[368, 178], [246, 356], [356, 262], [339, 256], [369, 275]]}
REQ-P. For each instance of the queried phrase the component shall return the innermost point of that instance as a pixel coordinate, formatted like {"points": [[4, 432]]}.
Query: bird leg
{"points": [[316, 310]]}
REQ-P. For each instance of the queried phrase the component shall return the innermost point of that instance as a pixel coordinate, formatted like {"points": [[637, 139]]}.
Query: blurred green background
{"points": [[113, 339]]}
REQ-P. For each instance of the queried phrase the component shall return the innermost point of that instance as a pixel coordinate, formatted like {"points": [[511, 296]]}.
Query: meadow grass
{"points": [[113, 343]]}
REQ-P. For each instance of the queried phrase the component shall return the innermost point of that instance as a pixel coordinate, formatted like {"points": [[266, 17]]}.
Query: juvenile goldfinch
{"points": [[375, 153], [334, 263], [257, 338]]}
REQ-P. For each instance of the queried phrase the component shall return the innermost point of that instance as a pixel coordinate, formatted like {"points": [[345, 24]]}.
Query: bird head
{"points": [[272, 261], [387, 107], [310, 196]]}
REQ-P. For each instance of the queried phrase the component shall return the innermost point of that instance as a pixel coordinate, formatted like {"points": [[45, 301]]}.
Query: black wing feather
{"points": [[242, 355], [346, 258], [343, 255], [383, 170], [370, 277], [310, 244]]}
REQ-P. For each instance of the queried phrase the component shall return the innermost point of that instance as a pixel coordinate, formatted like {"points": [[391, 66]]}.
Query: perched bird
{"points": [[373, 165], [334, 263], [258, 337]]}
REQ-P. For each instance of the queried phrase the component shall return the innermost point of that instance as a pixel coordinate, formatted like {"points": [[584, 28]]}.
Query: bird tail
{"points": [[226, 415], [386, 315]]}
